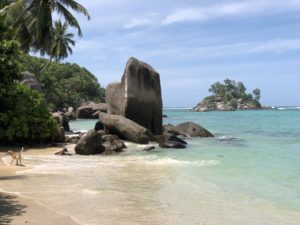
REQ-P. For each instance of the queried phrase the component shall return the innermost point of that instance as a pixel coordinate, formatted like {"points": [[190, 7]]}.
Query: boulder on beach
{"points": [[90, 111], [112, 144], [61, 120], [90, 144], [60, 134], [125, 128], [192, 130], [138, 96]]}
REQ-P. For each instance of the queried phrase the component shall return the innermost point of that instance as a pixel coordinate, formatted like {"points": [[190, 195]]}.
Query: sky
{"points": [[193, 44]]}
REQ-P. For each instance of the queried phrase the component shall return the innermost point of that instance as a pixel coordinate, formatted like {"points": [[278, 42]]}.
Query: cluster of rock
{"points": [[216, 103], [134, 113], [90, 110], [138, 96]]}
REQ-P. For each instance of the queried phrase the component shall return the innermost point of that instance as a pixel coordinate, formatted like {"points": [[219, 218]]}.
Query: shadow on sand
{"points": [[9, 208]]}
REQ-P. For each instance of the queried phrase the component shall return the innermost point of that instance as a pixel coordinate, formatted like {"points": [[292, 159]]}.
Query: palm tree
{"points": [[60, 46], [32, 20], [61, 41]]}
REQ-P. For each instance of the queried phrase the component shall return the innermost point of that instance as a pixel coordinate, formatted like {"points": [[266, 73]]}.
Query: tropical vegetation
{"points": [[64, 84], [32, 21], [28, 26], [24, 116]]}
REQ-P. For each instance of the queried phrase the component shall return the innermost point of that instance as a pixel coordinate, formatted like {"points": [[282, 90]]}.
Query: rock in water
{"points": [[90, 111], [90, 144], [138, 96], [193, 130], [125, 128]]}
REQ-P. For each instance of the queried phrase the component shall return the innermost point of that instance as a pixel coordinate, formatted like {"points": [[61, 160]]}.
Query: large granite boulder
{"points": [[138, 96], [90, 111], [90, 144], [125, 128], [192, 130]]}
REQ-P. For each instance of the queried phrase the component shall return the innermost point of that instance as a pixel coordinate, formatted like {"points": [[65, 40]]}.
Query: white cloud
{"points": [[230, 9], [148, 20], [138, 23]]}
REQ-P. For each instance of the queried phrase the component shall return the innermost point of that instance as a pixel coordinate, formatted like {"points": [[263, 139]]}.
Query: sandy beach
{"points": [[15, 209]]}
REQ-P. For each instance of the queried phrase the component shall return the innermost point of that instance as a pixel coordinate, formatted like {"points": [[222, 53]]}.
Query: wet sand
{"points": [[18, 210]]}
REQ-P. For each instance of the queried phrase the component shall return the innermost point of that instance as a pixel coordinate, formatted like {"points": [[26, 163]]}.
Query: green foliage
{"points": [[230, 90], [9, 67], [62, 40], [24, 116], [32, 21], [65, 84], [256, 93]]}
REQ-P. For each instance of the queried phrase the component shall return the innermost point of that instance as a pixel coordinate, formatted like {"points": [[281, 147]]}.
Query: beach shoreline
{"points": [[16, 209]]}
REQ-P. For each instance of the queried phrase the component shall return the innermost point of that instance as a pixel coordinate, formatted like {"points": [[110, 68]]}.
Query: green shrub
{"points": [[24, 117]]}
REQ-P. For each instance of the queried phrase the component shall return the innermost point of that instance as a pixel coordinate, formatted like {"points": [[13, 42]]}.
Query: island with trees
{"points": [[229, 96]]}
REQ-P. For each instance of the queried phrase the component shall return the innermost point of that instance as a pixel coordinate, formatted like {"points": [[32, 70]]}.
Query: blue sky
{"points": [[193, 44]]}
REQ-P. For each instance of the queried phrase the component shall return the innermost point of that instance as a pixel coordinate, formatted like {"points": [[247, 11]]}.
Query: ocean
{"points": [[248, 174]]}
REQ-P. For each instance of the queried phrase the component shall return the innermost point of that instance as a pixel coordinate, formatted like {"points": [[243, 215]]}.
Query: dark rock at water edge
{"points": [[164, 142], [172, 144], [99, 126], [192, 130], [125, 128], [149, 148], [176, 139], [138, 96], [90, 144]]}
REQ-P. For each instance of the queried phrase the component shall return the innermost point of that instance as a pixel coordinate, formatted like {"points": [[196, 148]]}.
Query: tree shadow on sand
{"points": [[9, 208]]}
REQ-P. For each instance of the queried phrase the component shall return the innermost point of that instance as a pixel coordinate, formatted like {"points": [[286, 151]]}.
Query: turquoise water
{"points": [[256, 152], [249, 174]]}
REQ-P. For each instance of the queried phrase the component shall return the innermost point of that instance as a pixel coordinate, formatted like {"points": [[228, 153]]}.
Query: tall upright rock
{"points": [[138, 96]]}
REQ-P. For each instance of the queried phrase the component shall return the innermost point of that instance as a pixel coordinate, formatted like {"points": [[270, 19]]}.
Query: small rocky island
{"points": [[229, 96]]}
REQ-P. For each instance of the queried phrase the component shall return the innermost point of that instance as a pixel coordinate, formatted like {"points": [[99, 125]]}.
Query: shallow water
{"points": [[248, 174]]}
